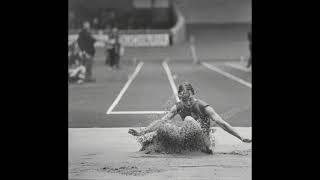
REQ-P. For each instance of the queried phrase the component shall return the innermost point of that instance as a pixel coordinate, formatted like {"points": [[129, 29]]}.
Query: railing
{"points": [[178, 32], [130, 38]]}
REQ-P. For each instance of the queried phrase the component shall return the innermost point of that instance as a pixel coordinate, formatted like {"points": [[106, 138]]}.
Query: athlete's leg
{"points": [[207, 149], [206, 135], [152, 127], [189, 118]]}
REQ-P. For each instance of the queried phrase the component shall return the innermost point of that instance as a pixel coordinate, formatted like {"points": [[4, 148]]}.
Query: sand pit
{"points": [[130, 170], [171, 166], [111, 153]]}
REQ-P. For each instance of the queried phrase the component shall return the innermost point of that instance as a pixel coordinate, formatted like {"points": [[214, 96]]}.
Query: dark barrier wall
{"points": [[162, 17], [123, 14], [216, 11], [103, 10], [96, 4]]}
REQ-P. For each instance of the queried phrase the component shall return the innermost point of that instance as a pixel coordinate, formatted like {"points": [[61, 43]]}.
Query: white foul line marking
{"points": [[211, 67], [138, 112], [125, 87], [173, 85]]}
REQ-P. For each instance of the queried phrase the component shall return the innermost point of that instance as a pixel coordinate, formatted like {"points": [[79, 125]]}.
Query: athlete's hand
{"points": [[247, 140]]}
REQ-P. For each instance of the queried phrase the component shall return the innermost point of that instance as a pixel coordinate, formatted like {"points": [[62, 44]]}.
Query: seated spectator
{"points": [[76, 69]]}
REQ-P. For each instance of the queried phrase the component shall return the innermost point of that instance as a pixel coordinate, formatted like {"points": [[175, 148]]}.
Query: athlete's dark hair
{"points": [[186, 86]]}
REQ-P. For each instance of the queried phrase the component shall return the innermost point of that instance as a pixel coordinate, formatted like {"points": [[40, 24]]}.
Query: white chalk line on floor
{"points": [[169, 74], [116, 101], [239, 80], [237, 66], [125, 87], [138, 112]]}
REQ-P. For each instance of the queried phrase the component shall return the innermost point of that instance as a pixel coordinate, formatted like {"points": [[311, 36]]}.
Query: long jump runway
{"points": [[151, 91], [153, 87]]}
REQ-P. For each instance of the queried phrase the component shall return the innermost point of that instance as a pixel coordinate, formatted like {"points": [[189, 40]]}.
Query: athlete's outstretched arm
{"points": [[155, 124], [224, 125], [171, 114]]}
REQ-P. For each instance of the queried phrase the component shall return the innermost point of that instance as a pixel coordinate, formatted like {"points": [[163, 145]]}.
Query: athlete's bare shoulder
{"points": [[201, 102]]}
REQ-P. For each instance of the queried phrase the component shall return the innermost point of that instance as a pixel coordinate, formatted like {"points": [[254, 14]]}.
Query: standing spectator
{"points": [[72, 23], [116, 48], [109, 46], [112, 19], [118, 52], [108, 53], [250, 49], [104, 19], [95, 23], [86, 44]]}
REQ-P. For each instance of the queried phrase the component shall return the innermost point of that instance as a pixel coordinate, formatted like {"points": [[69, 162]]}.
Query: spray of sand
{"points": [[175, 136]]}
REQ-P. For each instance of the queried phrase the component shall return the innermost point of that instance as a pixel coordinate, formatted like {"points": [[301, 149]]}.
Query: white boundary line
{"points": [[125, 87], [173, 85], [213, 68], [237, 67], [194, 54], [193, 50], [138, 112]]}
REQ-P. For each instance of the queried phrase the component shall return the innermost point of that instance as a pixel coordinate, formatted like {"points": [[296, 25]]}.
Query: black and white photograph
{"points": [[160, 89]]}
